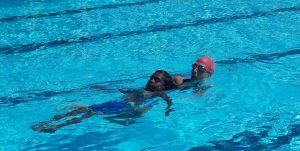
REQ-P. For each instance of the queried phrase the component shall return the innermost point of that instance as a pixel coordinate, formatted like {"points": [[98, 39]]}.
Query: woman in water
{"points": [[202, 69], [131, 106]]}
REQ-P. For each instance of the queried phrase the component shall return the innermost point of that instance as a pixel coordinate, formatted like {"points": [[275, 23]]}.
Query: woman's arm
{"points": [[178, 80], [203, 89]]}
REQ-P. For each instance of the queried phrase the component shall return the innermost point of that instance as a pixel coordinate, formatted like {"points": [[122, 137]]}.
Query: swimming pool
{"points": [[52, 54]]}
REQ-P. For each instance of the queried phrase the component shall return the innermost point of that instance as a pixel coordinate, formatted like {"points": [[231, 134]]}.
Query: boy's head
{"points": [[160, 80]]}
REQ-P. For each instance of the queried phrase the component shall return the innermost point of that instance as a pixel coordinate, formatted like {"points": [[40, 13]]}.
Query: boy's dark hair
{"points": [[169, 84]]}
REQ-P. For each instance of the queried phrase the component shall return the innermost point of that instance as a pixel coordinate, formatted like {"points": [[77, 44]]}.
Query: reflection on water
{"points": [[249, 140]]}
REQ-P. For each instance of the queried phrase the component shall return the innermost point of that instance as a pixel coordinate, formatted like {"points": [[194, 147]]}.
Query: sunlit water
{"points": [[52, 54]]}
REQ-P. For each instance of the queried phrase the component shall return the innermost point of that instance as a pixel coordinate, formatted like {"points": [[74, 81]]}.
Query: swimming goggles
{"points": [[200, 67]]}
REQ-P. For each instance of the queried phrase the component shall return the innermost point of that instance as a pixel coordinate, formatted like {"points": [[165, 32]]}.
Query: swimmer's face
{"points": [[199, 71], [156, 82]]}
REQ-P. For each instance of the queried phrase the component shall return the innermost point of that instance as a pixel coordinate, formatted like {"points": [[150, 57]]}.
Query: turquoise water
{"points": [[52, 54]]}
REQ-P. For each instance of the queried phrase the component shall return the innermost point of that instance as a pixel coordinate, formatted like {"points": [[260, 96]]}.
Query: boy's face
{"points": [[155, 83]]}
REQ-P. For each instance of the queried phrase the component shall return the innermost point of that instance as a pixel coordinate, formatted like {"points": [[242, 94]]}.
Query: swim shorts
{"points": [[112, 107]]}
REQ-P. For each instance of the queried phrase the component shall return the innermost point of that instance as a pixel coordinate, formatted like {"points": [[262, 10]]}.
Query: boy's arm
{"points": [[124, 91], [169, 102]]}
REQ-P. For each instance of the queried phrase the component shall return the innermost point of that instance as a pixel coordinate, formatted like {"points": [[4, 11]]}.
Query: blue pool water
{"points": [[54, 53]]}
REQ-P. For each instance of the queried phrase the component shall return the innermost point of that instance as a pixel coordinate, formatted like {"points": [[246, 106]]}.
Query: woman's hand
{"points": [[178, 80]]}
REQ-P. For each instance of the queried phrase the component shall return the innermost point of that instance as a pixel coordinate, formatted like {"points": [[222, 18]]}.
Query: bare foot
{"points": [[44, 127], [49, 130]]}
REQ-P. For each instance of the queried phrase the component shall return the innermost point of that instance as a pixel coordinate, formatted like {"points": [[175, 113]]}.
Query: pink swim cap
{"points": [[208, 64]]}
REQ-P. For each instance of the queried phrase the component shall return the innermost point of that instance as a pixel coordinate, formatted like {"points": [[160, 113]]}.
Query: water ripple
{"points": [[151, 29]]}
